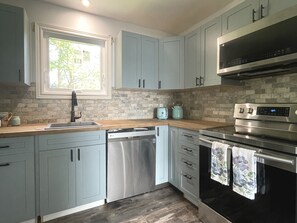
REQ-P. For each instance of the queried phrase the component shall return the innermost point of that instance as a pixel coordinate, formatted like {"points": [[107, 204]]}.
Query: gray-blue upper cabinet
{"points": [[17, 190], [171, 63], [72, 170], [239, 16], [193, 59], [136, 61], [251, 11], [209, 34], [14, 45]]}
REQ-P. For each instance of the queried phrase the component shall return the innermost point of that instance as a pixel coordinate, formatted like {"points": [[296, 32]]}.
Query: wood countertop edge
{"points": [[39, 129]]}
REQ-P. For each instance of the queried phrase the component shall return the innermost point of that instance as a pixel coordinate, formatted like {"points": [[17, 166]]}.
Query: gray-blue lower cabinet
{"points": [[161, 154], [73, 176], [17, 190]]}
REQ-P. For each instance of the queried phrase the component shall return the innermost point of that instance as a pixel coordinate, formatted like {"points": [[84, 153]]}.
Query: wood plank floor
{"points": [[164, 205]]}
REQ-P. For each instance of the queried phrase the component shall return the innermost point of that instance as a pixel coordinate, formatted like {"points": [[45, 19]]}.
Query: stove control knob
{"points": [[250, 111], [241, 110]]}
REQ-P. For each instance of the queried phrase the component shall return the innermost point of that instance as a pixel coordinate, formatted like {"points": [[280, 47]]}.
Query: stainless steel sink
{"points": [[68, 125]]}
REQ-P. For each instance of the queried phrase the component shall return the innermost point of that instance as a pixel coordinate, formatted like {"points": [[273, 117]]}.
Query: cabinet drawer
{"points": [[187, 165], [189, 136], [16, 145], [68, 140], [189, 150], [189, 184]]}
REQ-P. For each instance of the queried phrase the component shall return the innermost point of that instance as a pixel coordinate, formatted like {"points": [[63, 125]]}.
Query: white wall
{"points": [[42, 12]]}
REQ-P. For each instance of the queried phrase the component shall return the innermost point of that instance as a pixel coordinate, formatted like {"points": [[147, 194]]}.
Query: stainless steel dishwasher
{"points": [[130, 162]]}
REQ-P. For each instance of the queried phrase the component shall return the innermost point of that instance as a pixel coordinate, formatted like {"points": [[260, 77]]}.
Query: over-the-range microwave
{"points": [[266, 47]]}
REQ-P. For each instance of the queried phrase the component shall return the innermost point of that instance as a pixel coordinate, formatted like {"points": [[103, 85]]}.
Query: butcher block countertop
{"points": [[39, 129]]}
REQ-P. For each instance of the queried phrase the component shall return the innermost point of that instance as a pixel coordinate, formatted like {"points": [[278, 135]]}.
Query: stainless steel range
{"points": [[271, 131]]}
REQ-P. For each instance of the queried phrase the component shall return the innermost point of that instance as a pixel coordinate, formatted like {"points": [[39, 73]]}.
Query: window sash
{"points": [[42, 34]]}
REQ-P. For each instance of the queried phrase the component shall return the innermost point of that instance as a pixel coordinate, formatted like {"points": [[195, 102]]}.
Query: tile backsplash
{"points": [[123, 105], [208, 103], [217, 103]]}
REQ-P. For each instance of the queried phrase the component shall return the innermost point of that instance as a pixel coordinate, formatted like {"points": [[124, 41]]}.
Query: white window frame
{"points": [[42, 62]]}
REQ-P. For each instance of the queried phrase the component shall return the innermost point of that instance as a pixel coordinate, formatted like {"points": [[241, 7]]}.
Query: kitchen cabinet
{"points": [[137, 61], [193, 59], [188, 161], [171, 63], [72, 170], [239, 16], [174, 163], [201, 55], [209, 34], [14, 44], [17, 189], [251, 11], [161, 154]]}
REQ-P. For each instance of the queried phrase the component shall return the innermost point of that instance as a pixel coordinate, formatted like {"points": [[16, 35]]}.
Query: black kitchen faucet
{"points": [[74, 103]]}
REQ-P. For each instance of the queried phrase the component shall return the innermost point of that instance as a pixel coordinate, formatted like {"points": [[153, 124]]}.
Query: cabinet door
{"points": [[210, 32], [192, 59], [149, 62], [131, 60], [91, 174], [239, 16], [57, 180], [174, 170], [14, 44], [270, 7], [171, 66], [17, 193], [161, 154]]}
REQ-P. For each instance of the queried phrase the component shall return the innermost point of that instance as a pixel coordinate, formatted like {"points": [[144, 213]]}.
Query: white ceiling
{"points": [[171, 16]]}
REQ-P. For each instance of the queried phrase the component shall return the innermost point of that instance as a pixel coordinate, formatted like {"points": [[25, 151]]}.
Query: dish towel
{"points": [[220, 163], [244, 172]]}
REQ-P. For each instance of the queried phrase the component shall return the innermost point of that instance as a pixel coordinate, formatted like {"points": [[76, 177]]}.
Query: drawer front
{"points": [[189, 150], [68, 140], [189, 136], [16, 145], [188, 166], [189, 184]]}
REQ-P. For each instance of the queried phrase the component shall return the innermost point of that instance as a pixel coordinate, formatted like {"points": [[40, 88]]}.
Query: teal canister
{"points": [[177, 112]]}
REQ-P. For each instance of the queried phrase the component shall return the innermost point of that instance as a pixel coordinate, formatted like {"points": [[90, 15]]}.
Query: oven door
{"points": [[276, 199]]}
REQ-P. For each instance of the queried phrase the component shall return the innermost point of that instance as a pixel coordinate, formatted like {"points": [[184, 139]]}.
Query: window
{"points": [[68, 60]]}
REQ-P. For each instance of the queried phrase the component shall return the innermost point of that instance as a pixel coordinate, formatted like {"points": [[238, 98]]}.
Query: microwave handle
{"points": [[260, 155]]}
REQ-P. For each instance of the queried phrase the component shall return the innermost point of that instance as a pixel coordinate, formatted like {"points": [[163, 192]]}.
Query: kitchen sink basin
{"points": [[68, 125]]}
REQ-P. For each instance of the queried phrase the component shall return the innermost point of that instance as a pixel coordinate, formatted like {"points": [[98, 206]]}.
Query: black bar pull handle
{"points": [[78, 154], [197, 79], [143, 83], [201, 81], [71, 155], [4, 147], [261, 11], [4, 164], [187, 176], [253, 15], [159, 86], [139, 83], [157, 131], [188, 164]]}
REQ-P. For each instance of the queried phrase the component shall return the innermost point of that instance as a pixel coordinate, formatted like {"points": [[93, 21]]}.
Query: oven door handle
{"points": [[261, 155]]}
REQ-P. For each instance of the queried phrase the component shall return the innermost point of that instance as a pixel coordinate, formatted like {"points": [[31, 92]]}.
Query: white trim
{"points": [[72, 210], [30, 221], [42, 63]]}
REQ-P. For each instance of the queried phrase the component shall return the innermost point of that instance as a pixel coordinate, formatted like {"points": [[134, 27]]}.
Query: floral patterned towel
{"points": [[220, 163], [244, 172]]}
